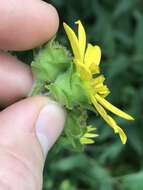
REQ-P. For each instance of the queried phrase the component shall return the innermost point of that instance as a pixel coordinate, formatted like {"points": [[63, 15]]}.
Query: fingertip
{"points": [[54, 17], [35, 115], [48, 21], [27, 24], [15, 78]]}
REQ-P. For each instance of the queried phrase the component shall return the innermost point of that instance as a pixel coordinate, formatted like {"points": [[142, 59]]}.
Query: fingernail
{"points": [[49, 125]]}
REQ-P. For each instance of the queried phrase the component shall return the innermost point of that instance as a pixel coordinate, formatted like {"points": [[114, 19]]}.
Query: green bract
{"points": [[51, 61], [68, 89]]}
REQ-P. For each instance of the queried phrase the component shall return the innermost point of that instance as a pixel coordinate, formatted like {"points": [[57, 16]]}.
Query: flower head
{"points": [[87, 61]]}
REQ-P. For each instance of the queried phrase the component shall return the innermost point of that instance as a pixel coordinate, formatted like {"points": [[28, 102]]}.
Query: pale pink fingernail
{"points": [[49, 125]]}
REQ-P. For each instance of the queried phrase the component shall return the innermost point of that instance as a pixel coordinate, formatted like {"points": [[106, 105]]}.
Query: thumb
{"points": [[28, 129]]}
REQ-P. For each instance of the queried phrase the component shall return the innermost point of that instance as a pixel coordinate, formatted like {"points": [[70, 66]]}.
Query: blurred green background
{"points": [[117, 27]]}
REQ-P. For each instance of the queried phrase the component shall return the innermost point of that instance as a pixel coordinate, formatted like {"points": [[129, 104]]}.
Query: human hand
{"points": [[28, 128]]}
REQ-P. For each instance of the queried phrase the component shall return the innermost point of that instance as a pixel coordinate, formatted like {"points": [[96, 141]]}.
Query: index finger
{"points": [[25, 24]]}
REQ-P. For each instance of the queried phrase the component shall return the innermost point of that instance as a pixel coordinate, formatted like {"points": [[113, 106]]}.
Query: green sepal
{"points": [[68, 89], [51, 61]]}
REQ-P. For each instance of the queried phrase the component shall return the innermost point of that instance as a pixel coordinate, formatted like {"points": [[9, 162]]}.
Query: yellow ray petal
{"points": [[121, 133], [90, 135], [102, 90], [97, 53], [88, 55], [92, 58], [99, 87], [73, 41], [84, 72], [90, 128], [86, 141], [98, 80], [81, 39], [109, 120], [112, 108]]}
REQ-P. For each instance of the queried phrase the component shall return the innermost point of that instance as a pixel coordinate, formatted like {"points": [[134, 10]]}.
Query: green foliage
{"points": [[117, 27], [133, 181]]}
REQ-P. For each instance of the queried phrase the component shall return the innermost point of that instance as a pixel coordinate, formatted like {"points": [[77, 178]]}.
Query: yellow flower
{"points": [[87, 62]]}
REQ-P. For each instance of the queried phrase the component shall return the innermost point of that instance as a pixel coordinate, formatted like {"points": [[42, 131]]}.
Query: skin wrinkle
{"points": [[11, 145], [25, 164], [4, 185], [22, 167]]}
